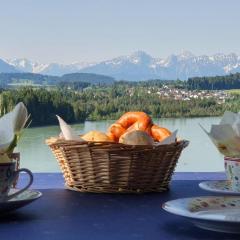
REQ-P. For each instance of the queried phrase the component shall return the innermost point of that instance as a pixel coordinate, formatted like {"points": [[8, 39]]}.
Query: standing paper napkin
{"points": [[226, 135]]}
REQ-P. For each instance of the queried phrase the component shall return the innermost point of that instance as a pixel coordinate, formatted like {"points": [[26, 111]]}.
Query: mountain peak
{"points": [[140, 53], [185, 54], [140, 57]]}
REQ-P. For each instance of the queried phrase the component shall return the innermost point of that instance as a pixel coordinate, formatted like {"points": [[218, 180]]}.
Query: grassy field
{"points": [[234, 91]]}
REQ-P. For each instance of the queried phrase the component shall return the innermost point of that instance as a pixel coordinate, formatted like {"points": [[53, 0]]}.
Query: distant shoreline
{"points": [[113, 120]]}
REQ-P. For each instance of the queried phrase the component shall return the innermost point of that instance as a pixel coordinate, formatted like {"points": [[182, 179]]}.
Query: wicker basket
{"points": [[113, 167]]}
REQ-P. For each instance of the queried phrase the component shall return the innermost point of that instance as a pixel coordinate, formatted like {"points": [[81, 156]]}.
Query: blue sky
{"points": [[93, 30]]}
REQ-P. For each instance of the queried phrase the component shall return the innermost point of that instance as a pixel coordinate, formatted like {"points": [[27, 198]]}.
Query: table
{"points": [[63, 214]]}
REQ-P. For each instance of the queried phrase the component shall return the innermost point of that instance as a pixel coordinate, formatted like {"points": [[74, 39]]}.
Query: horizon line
{"points": [[119, 56]]}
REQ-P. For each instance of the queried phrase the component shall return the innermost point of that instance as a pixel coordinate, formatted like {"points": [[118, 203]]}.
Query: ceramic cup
{"points": [[232, 168], [8, 174]]}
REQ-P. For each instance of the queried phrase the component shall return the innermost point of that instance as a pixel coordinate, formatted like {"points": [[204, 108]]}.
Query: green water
{"points": [[200, 155]]}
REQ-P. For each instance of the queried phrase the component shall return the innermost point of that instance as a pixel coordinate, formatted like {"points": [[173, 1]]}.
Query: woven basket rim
{"points": [[57, 141]]}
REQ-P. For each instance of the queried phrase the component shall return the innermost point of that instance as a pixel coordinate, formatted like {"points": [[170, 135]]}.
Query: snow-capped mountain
{"points": [[61, 69], [25, 65], [6, 68], [141, 66]]}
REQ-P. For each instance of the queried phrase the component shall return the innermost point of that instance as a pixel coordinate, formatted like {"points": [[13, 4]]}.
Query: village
{"points": [[169, 92]]}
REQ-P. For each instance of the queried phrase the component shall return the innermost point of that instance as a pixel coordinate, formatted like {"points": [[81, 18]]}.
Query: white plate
{"points": [[220, 186], [21, 200], [220, 214]]}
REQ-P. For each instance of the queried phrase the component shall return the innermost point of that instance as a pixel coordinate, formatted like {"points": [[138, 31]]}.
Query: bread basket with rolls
{"points": [[134, 156]]}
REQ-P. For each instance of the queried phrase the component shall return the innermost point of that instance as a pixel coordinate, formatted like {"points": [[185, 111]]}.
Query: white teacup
{"points": [[232, 169], [8, 175]]}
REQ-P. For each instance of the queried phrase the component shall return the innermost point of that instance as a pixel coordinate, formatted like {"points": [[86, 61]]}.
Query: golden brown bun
{"points": [[96, 136], [136, 138]]}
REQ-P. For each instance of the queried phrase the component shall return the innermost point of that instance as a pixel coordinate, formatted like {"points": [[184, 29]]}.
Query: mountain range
{"points": [[137, 66]]}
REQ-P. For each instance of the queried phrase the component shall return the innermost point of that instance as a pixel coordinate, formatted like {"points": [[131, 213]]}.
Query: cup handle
{"points": [[16, 173]]}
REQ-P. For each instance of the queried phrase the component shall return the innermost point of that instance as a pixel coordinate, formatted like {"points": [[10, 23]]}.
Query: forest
{"points": [[231, 81], [82, 102]]}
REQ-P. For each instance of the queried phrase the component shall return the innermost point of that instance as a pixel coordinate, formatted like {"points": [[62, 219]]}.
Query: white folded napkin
{"points": [[67, 132], [168, 140], [11, 125], [226, 134]]}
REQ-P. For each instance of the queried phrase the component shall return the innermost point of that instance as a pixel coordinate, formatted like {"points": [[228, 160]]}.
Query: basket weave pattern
{"points": [[113, 167]]}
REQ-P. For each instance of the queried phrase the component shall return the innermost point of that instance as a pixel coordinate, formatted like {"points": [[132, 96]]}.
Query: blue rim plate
{"points": [[216, 213], [19, 201], [218, 186]]}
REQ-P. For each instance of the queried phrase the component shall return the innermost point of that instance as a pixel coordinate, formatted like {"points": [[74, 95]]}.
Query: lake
{"points": [[200, 156]]}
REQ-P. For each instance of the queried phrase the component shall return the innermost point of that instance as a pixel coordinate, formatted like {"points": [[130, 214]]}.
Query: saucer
{"points": [[221, 214], [219, 186], [20, 200]]}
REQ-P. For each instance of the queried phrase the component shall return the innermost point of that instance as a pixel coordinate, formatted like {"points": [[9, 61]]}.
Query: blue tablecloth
{"points": [[63, 214], [55, 180]]}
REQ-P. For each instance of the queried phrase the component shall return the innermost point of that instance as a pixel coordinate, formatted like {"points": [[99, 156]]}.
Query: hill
{"points": [[88, 78], [7, 79]]}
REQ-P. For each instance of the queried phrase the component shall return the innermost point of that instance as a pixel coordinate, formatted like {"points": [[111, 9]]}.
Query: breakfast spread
{"points": [[132, 155]]}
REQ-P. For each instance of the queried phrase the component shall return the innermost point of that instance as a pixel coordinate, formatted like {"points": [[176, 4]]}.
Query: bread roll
{"points": [[136, 138], [96, 136]]}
